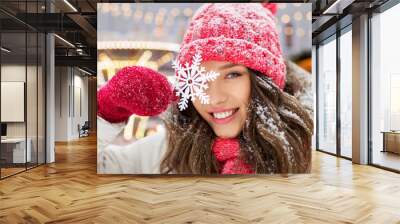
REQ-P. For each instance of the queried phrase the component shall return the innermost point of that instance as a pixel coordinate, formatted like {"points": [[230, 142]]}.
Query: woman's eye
{"points": [[233, 75]]}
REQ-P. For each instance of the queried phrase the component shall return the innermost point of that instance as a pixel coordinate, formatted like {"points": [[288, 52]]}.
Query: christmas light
{"points": [[128, 45]]}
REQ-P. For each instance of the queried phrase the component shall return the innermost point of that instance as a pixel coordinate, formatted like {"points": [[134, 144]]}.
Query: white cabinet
{"points": [[18, 149]]}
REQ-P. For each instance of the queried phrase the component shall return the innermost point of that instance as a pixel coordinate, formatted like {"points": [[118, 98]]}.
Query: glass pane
{"points": [[41, 98], [346, 94], [327, 97], [13, 85], [31, 97], [386, 89]]}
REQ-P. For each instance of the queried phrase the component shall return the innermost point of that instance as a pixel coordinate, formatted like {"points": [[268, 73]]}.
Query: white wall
{"points": [[71, 93], [61, 103], [13, 73], [33, 126], [80, 83]]}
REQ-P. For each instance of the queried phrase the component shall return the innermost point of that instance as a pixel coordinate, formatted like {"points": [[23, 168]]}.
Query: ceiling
{"points": [[332, 15], [76, 22]]}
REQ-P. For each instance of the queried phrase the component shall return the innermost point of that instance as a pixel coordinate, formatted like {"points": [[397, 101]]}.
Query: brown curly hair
{"points": [[276, 137]]}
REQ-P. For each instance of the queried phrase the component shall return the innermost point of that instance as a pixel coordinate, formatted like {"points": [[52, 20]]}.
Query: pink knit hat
{"points": [[241, 33]]}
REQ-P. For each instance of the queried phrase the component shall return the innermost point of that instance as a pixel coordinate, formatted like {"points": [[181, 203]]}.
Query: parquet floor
{"points": [[9, 171], [70, 191], [387, 159]]}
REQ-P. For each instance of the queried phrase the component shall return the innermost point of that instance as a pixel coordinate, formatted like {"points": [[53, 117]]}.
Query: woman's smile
{"points": [[223, 116]]}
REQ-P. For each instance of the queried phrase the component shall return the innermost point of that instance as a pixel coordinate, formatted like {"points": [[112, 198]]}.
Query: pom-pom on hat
{"points": [[241, 33]]}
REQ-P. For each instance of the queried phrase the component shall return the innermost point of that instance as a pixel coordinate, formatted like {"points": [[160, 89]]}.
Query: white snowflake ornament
{"points": [[191, 81]]}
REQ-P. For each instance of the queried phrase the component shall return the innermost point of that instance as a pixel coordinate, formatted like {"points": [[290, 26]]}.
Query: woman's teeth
{"points": [[222, 115]]}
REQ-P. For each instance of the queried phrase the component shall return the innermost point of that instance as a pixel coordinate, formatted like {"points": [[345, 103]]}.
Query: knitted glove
{"points": [[134, 90]]}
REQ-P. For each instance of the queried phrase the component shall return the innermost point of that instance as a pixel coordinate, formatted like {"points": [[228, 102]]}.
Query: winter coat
{"points": [[115, 156]]}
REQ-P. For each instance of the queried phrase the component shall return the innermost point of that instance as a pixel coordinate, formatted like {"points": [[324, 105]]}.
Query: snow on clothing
{"points": [[134, 90], [144, 155], [118, 157], [238, 33]]}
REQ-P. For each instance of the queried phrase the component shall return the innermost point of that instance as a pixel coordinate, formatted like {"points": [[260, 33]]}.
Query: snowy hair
{"points": [[276, 137]]}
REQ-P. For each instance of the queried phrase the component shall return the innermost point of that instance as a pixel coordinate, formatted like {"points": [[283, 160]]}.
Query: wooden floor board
{"points": [[70, 191]]}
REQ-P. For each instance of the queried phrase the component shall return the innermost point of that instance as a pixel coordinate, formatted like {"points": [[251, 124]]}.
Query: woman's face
{"points": [[229, 98]]}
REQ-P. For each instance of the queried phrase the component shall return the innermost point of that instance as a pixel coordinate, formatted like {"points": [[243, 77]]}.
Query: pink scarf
{"points": [[226, 150]]}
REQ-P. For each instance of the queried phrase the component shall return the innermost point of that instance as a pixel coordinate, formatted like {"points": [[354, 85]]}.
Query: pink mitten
{"points": [[134, 90]]}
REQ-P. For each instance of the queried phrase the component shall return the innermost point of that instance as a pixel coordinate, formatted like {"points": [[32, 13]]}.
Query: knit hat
{"points": [[241, 33]]}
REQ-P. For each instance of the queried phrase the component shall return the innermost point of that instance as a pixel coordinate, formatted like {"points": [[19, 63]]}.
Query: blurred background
{"points": [[149, 34]]}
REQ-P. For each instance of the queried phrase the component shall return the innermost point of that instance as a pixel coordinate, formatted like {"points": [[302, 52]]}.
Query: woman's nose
{"points": [[216, 93]]}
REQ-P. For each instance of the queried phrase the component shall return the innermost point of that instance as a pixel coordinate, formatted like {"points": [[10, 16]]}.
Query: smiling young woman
{"points": [[274, 129], [234, 116]]}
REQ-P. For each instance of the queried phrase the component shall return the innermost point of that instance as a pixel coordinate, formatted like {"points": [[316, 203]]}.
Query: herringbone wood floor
{"points": [[70, 191]]}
